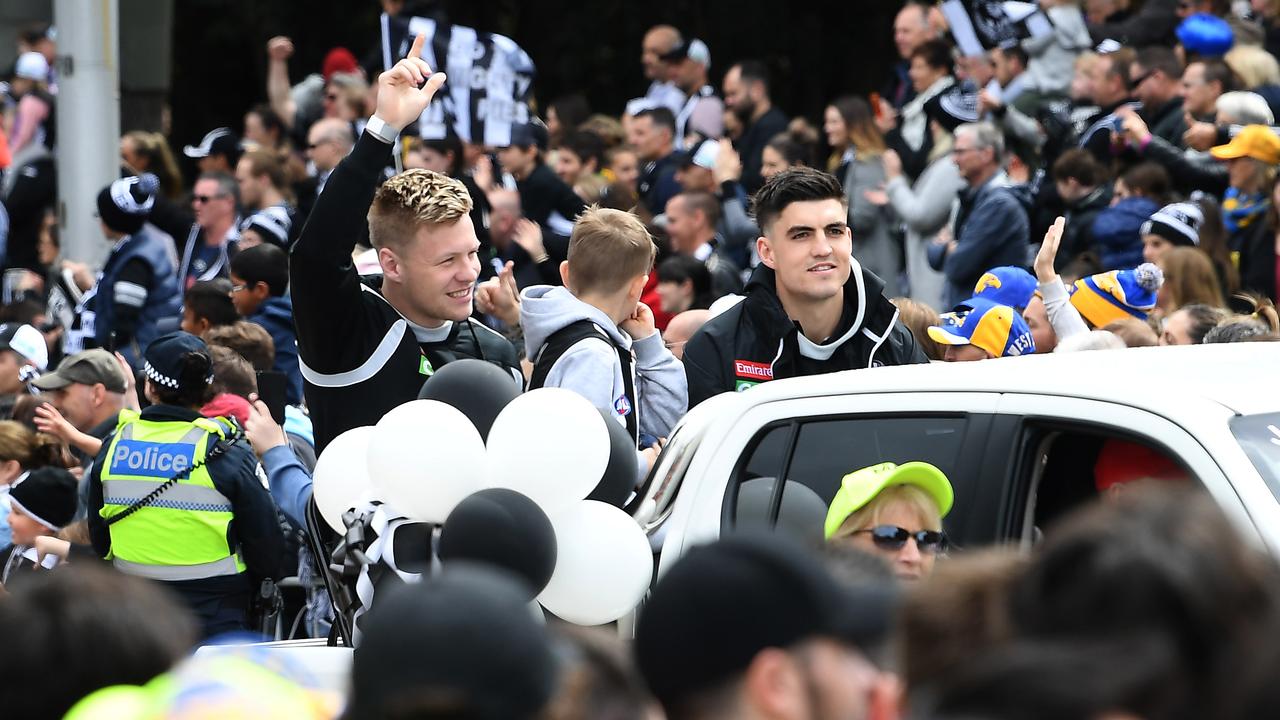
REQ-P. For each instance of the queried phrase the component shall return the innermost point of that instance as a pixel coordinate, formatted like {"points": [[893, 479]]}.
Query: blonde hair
{"points": [[868, 516], [607, 250], [1254, 65], [918, 316], [31, 449], [160, 160], [1189, 279], [412, 200]]}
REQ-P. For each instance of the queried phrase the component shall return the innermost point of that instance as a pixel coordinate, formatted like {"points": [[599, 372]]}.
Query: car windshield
{"points": [[1259, 435]]}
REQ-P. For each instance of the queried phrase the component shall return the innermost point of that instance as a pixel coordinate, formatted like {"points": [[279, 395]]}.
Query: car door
{"points": [[813, 442], [1049, 429]]}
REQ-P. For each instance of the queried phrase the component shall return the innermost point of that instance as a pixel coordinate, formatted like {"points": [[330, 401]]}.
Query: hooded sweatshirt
{"points": [[275, 315], [591, 367]]}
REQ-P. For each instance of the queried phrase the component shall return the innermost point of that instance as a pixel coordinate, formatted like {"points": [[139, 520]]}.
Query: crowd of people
{"points": [[1108, 184]]}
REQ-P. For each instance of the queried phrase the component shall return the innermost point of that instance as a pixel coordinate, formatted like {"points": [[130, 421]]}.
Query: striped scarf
{"points": [[1240, 209]]}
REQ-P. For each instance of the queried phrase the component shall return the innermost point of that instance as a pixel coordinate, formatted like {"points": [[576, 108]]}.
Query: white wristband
{"points": [[379, 128]]}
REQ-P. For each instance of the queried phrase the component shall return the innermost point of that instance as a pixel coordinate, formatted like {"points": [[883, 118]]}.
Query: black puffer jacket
{"points": [[755, 341]]}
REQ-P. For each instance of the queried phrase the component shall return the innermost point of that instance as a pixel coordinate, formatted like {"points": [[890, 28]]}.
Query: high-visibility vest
{"points": [[183, 533]]}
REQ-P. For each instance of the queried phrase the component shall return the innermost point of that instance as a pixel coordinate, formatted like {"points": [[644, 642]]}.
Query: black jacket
{"points": [[358, 356], [751, 146], [1166, 121], [755, 341]]}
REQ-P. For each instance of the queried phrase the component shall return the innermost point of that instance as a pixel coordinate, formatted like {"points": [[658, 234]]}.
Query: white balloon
{"points": [[603, 564], [341, 477], [424, 457], [551, 445]]}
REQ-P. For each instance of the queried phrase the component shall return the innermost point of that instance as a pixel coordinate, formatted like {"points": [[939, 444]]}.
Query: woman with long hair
{"points": [[851, 126], [1189, 279], [148, 152]]}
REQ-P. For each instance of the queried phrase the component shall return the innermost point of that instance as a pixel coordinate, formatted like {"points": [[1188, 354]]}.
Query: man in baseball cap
{"points": [[980, 330], [88, 389], [754, 626], [218, 151]]}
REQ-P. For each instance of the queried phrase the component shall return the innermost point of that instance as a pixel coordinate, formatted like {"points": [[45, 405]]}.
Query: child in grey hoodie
{"points": [[593, 336]]}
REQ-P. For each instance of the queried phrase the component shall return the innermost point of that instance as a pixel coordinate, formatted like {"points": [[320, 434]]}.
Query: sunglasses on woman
{"points": [[892, 537]]}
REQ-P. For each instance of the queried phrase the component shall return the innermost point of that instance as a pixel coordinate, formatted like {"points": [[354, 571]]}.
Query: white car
{"points": [[1018, 437]]}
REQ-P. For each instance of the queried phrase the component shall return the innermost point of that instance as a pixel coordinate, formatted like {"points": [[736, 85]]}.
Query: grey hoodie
{"points": [[591, 368]]}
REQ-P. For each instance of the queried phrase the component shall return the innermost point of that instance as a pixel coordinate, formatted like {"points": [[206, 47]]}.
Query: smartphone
{"points": [[271, 389]]}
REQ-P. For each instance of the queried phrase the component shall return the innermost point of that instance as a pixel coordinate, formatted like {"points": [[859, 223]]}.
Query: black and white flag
{"points": [[979, 25], [490, 78]]}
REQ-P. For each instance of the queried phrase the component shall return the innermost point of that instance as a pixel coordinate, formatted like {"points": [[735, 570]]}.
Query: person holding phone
{"points": [[364, 350]]}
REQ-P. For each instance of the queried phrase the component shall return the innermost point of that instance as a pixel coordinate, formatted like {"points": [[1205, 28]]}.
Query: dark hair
{"points": [[798, 184], [599, 678], [571, 110], [797, 148], [1216, 70], [1150, 179], [935, 53], [860, 125], [679, 268], [1080, 165], [271, 122], [448, 145], [211, 300], [193, 385], [265, 263], [586, 145], [1132, 566], [251, 340], [1015, 52], [754, 71], [1202, 318], [23, 311], [137, 630], [1214, 241], [1158, 58], [231, 373], [661, 117]]}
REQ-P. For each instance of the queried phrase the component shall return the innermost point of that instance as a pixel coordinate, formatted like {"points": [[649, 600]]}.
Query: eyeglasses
{"points": [[892, 537], [1135, 82], [206, 198], [239, 288], [961, 151]]}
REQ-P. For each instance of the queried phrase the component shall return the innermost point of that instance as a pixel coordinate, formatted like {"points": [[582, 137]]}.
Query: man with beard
{"points": [[746, 93]]}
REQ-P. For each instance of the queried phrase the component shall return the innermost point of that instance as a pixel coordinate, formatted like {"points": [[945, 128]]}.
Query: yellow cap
{"points": [[862, 486], [1253, 141]]}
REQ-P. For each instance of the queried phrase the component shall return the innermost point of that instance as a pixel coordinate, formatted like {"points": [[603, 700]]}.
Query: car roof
{"points": [[1239, 376]]}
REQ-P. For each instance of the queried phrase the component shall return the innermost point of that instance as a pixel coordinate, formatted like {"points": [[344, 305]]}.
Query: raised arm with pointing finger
{"points": [[366, 348]]}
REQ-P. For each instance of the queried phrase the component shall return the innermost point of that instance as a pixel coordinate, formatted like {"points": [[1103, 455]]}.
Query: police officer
{"points": [[137, 293], [175, 497]]}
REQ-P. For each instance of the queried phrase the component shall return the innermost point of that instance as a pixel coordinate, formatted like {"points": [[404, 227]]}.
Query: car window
{"points": [[822, 452], [1259, 436], [1072, 465]]}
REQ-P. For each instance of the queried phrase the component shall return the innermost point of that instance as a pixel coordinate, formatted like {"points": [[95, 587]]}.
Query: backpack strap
{"points": [[559, 342]]}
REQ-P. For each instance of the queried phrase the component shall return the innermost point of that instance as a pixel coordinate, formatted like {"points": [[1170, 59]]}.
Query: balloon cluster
{"points": [[533, 483]]}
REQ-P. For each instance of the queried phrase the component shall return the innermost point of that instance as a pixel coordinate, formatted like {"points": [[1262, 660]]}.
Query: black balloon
{"points": [[501, 527], [621, 474], [478, 389]]}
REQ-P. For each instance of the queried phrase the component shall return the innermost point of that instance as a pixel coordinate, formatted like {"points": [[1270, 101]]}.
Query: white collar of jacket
{"points": [[914, 121]]}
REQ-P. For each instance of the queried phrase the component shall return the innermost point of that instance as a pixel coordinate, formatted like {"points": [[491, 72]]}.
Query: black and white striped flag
{"points": [[490, 78], [979, 25]]}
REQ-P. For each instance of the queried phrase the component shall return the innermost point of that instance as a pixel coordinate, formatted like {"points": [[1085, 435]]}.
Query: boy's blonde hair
{"points": [[411, 200], [607, 250]]}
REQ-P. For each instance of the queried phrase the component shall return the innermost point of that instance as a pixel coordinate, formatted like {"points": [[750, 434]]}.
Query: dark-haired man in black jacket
{"points": [[810, 308]]}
